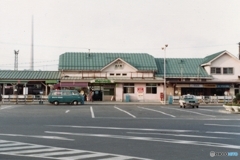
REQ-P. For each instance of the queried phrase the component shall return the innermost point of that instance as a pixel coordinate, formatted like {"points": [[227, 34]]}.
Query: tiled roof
{"points": [[29, 75], [181, 67], [84, 61], [212, 56]]}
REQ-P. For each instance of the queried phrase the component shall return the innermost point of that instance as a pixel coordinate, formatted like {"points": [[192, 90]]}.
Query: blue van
{"points": [[65, 96]]}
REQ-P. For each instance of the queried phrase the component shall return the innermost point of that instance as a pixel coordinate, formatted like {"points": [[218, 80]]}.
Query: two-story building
{"points": [[112, 76], [216, 74]]}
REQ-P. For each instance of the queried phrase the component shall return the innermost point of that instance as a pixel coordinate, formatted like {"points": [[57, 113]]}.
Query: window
{"points": [[215, 70], [118, 74], [228, 70], [124, 74], [151, 88], [111, 74], [128, 88], [108, 91]]}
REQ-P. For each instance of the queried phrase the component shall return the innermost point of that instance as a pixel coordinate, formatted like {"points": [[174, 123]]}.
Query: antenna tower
{"points": [[16, 60]]}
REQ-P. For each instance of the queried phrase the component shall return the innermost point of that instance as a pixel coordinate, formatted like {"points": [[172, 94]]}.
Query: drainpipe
{"points": [[239, 50]]}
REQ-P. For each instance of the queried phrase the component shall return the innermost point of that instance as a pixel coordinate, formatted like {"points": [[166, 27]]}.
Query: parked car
{"points": [[65, 96], [188, 100]]}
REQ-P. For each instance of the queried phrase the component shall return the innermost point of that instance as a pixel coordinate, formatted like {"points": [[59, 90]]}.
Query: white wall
{"points": [[119, 93], [143, 97], [227, 61]]}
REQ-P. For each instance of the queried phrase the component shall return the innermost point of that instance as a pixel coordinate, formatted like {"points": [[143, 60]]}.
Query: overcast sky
{"points": [[191, 28]]}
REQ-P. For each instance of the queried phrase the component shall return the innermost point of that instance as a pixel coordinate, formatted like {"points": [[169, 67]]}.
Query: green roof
{"points": [[181, 67], [212, 56], [84, 61], [29, 75]]}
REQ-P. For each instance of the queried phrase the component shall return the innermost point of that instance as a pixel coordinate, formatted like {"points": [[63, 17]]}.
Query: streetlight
{"points": [[164, 71]]}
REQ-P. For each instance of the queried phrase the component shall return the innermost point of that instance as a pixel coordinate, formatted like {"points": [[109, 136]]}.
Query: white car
{"points": [[188, 100]]}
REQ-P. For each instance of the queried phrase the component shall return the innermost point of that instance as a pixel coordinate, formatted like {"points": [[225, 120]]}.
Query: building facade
{"points": [[130, 76]]}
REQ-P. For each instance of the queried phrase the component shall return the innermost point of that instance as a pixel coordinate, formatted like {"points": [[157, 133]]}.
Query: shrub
{"points": [[236, 100]]}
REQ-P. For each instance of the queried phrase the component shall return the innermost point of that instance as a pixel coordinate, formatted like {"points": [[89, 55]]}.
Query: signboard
{"points": [[196, 85], [102, 81], [140, 90], [209, 85], [25, 90], [51, 81], [223, 86]]}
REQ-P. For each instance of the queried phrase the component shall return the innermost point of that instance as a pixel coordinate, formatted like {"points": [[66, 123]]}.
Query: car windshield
{"points": [[189, 97]]}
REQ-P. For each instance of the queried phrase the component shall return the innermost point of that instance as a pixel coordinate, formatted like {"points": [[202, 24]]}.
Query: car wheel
{"points": [[180, 106], [75, 102], [192, 106], [56, 103], [184, 106], [196, 106]]}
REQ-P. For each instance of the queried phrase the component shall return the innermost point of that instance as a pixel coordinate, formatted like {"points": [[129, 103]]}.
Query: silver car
{"points": [[188, 100]]}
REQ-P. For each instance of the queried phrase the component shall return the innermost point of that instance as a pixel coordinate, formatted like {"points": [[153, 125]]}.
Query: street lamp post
{"points": [[164, 72]]}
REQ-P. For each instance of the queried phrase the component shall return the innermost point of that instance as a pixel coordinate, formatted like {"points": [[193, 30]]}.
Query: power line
{"points": [[28, 62], [157, 48]]}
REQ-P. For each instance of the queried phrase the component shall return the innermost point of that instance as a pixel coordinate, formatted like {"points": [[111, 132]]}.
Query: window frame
{"points": [[227, 69], [127, 86], [216, 70], [151, 88]]}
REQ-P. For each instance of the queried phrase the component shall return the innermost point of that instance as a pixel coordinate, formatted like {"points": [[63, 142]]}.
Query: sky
{"points": [[191, 28]]}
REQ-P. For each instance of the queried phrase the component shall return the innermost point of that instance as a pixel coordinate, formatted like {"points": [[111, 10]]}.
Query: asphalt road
{"points": [[121, 132]]}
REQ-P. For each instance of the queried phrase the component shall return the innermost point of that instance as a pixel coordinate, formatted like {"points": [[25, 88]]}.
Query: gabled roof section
{"points": [[212, 57], [118, 59], [29, 75], [181, 68], [84, 61]]}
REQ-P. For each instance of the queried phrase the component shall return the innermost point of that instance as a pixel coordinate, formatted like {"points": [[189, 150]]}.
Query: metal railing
{"points": [[209, 99], [24, 98]]}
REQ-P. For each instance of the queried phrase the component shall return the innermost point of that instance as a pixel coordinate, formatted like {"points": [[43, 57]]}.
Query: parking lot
{"points": [[117, 131]]}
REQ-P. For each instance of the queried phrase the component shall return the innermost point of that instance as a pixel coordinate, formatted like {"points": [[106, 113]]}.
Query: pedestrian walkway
{"points": [[41, 151]]}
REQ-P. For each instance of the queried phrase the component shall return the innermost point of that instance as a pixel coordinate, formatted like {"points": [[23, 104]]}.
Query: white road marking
{"points": [[119, 128], [231, 133], [184, 110], [92, 113], [67, 111], [207, 110], [18, 148], [48, 152], [224, 125], [59, 152], [37, 136], [175, 141], [125, 111], [178, 135], [5, 107], [36, 151], [157, 111]]}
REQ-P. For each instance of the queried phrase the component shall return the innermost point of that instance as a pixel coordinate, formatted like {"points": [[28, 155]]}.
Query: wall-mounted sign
{"points": [[140, 90], [51, 81], [223, 86], [209, 85], [101, 81], [196, 85]]}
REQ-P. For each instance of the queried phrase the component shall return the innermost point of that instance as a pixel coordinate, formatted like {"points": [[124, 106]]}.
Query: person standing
{"points": [[92, 93]]}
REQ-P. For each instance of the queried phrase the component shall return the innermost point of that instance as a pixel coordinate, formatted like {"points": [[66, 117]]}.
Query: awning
{"points": [[71, 84], [13, 81]]}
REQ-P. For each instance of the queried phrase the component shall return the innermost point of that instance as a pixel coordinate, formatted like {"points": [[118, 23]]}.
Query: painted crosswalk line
{"points": [[49, 152]]}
